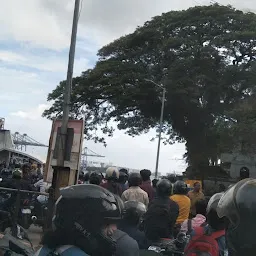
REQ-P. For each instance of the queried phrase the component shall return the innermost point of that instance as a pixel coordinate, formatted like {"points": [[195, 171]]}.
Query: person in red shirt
{"points": [[146, 184]]}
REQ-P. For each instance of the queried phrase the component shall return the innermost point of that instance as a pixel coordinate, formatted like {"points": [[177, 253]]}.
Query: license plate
{"points": [[26, 211]]}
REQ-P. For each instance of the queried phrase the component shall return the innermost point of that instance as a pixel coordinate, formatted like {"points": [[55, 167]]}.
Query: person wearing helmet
{"points": [[238, 206], [180, 191], [215, 229], [85, 224], [17, 181], [172, 178], [134, 192], [162, 214], [26, 171], [123, 178], [146, 183], [133, 214], [112, 176]]}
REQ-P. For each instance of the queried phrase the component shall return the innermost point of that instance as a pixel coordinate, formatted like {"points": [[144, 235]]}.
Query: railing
{"points": [[17, 206]]}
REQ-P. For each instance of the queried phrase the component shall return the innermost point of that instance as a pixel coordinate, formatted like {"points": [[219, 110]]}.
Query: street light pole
{"points": [[160, 132], [160, 124]]}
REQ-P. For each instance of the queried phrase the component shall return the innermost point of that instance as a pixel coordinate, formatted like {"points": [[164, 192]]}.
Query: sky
{"points": [[34, 45]]}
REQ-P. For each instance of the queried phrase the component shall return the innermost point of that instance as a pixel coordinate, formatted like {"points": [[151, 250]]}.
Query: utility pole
{"points": [[68, 86], [160, 123], [61, 173]]}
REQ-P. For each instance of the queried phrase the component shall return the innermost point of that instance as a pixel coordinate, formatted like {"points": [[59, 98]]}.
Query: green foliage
{"points": [[203, 56]]}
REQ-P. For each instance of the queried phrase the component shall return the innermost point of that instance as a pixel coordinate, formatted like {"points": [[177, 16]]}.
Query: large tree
{"points": [[203, 57]]}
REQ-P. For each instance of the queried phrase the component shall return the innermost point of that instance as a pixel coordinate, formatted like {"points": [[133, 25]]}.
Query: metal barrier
{"points": [[24, 191], [17, 205]]}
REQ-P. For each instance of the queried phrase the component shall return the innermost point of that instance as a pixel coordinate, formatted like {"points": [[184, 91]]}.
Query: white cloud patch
{"points": [[11, 57], [26, 21], [33, 114], [49, 64]]}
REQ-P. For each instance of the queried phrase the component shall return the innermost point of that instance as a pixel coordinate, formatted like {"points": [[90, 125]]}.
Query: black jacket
{"points": [[134, 233], [160, 218]]}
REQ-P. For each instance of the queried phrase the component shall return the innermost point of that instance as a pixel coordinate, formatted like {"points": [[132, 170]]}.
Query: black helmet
{"points": [[86, 176], [211, 213], [172, 178], [163, 188], [123, 172], [95, 178], [17, 174], [180, 187], [133, 212], [145, 174], [238, 205], [123, 176], [134, 179], [82, 211]]}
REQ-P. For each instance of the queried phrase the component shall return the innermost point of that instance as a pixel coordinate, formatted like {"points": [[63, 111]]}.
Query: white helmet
{"points": [[112, 173]]}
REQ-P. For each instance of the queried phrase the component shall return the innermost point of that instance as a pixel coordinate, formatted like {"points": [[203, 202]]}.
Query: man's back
{"points": [[113, 187], [184, 207], [134, 233], [135, 194], [147, 187], [125, 245], [161, 217]]}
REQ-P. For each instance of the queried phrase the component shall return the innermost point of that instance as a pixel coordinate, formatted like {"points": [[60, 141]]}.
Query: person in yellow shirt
{"points": [[180, 191], [195, 195]]}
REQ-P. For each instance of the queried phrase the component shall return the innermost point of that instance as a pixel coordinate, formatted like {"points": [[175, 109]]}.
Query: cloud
{"points": [[47, 23], [41, 63], [108, 20], [33, 114], [28, 22], [11, 57]]}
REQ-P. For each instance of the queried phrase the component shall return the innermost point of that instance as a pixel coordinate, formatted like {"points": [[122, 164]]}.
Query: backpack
{"points": [[203, 244]]}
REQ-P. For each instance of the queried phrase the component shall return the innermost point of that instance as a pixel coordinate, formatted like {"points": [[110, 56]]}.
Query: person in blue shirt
{"points": [[85, 223]]}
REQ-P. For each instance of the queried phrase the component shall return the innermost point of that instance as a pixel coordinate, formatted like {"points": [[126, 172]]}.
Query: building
{"points": [[238, 165], [9, 154]]}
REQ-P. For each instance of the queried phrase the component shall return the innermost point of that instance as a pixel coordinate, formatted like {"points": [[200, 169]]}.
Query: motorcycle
{"points": [[39, 211], [25, 219], [173, 247]]}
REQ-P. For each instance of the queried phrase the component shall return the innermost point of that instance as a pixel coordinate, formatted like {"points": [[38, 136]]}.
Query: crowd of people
{"points": [[25, 177], [127, 214]]}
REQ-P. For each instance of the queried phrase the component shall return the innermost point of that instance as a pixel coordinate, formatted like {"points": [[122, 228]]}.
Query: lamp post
{"points": [[161, 123]]}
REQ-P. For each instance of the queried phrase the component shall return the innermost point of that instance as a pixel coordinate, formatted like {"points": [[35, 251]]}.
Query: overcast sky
{"points": [[34, 41]]}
